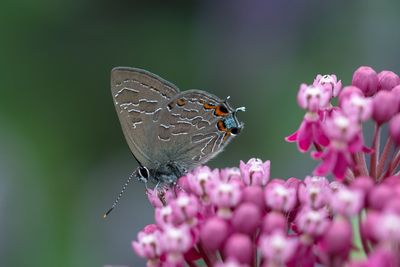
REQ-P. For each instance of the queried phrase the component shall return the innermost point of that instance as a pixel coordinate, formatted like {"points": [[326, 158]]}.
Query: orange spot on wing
{"points": [[221, 111], [221, 126], [181, 102]]}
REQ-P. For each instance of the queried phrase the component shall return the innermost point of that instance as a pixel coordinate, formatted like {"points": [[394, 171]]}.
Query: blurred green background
{"points": [[63, 157]]}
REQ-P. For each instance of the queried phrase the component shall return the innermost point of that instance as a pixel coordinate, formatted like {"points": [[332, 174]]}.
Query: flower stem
{"points": [[361, 163], [206, 256], [375, 153], [383, 158], [363, 240]]}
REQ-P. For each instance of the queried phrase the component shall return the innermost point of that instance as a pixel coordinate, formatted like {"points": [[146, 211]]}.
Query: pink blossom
{"points": [[312, 222], [280, 197], [347, 202], [149, 243], [357, 107], [313, 98], [201, 180], [255, 172], [387, 228], [175, 242], [277, 248], [225, 195], [315, 192], [329, 82]]}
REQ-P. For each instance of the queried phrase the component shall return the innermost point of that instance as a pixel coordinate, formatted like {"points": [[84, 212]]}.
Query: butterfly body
{"points": [[169, 132]]}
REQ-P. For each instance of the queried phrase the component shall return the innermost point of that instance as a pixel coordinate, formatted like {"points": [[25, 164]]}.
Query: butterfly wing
{"points": [[194, 127], [139, 97]]}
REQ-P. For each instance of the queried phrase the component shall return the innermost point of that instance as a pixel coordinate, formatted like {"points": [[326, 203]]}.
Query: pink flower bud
{"points": [[357, 107], [385, 105], [366, 79], [387, 228], [379, 196], [225, 195], [255, 172], [213, 233], [201, 179], [274, 221], [239, 247], [246, 218], [387, 80], [337, 240], [185, 208], [254, 194], [394, 129]]}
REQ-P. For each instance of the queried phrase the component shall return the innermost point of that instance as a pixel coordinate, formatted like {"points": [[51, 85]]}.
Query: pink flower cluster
{"points": [[336, 132], [240, 217]]}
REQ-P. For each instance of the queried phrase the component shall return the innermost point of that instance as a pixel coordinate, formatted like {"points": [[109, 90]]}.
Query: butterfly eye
{"points": [[144, 172], [235, 131]]}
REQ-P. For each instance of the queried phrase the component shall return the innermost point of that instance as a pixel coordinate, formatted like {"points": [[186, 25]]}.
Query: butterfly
{"points": [[169, 132]]}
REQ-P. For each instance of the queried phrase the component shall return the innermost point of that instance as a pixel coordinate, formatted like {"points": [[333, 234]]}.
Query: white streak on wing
{"points": [[179, 133], [136, 123], [126, 88], [165, 140], [165, 126]]}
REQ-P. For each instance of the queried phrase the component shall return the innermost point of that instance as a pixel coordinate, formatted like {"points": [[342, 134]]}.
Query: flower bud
{"points": [[246, 218], [366, 79], [387, 80], [239, 247], [394, 129], [385, 105], [214, 233]]}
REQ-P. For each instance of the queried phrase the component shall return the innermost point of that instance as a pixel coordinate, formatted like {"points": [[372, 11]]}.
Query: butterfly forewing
{"points": [[139, 98]]}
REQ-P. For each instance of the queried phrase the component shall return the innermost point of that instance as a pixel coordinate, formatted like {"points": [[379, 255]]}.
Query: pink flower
{"points": [[149, 243], [310, 131], [225, 195], [313, 98], [255, 172], [366, 79], [280, 197], [357, 107], [277, 248], [186, 208], [201, 179], [315, 192], [312, 222], [175, 242], [329, 82], [345, 139], [347, 202], [387, 229]]}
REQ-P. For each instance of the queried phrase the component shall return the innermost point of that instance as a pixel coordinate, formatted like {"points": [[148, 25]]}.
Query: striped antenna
{"points": [[120, 194]]}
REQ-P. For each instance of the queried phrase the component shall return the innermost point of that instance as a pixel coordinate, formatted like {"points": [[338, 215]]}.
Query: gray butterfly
{"points": [[169, 132]]}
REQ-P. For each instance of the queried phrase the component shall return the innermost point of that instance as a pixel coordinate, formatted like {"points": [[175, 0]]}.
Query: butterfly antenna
{"points": [[120, 194]]}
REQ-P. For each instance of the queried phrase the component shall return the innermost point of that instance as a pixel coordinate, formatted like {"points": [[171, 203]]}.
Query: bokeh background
{"points": [[63, 157]]}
